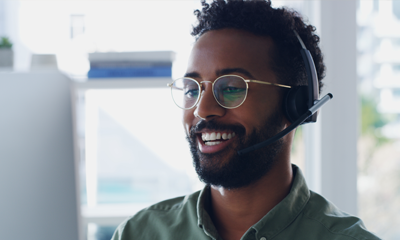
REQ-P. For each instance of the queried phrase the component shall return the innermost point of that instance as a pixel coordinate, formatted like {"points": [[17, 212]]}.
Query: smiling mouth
{"points": [[215, 138]]}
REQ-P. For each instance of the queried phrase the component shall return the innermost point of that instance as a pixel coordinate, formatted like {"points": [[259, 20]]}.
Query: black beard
{"points": [[240, 170]]}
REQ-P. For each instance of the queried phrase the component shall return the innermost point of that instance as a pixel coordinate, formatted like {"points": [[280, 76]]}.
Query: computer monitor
{"points": [[38, 190]]}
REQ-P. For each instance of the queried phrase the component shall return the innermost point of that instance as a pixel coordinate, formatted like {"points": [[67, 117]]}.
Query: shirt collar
{"points": [[287, 210], [204, 219], [277, 219], [201, 209]]}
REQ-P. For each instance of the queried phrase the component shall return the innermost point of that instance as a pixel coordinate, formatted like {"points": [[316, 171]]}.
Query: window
{"points": [[133, 150], [378, 144]]}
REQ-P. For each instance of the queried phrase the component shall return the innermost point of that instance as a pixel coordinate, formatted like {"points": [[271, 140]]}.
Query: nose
{"points": [[207, 107]]}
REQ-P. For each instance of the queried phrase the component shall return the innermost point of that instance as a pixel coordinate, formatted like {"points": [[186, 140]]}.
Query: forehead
{"points": [[217, 50]]}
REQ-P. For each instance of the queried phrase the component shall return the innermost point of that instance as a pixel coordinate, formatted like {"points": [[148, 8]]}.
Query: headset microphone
{"points": [[301, 102], [287, 130]]}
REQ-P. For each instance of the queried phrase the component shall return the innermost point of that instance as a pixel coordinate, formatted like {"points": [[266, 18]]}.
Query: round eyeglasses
{"points": [[230, 91]]}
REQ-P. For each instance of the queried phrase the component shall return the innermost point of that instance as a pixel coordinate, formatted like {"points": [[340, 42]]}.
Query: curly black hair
{"points": [[260, 18]]}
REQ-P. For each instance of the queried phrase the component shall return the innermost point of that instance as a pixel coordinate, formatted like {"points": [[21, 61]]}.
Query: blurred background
{"points": [[130, 148]]}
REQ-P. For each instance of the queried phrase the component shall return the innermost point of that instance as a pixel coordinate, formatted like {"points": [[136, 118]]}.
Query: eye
{"points": [[192, 93], [232, 90]]}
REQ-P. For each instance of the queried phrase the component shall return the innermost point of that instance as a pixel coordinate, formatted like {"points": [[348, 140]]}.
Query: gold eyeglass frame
{"points": [[200, 85]]}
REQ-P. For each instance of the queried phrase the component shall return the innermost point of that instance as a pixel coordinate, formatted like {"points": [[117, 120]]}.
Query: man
{"points": [[245, 59]]}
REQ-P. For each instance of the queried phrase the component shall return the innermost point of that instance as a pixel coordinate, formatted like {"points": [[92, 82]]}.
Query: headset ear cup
{"points": [[295, 103]]}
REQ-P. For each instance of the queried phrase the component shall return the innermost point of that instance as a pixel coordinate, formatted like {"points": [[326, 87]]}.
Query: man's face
{"points": [[230, 51]]}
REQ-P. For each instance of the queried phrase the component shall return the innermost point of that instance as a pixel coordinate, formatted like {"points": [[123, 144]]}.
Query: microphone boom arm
{"points": [[287, 130]]}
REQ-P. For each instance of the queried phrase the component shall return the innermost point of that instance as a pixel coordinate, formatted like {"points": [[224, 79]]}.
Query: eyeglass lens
{"points": [[229, 91]]}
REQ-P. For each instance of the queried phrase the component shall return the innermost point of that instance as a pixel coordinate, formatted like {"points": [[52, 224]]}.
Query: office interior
{"points": [[79, 155]]}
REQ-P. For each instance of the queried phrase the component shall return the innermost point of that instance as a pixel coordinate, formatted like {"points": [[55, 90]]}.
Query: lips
{"points": [[213, 141], [211, 138]]}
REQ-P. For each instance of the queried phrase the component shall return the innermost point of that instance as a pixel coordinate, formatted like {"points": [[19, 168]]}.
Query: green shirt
{"points": [[302, 214]]}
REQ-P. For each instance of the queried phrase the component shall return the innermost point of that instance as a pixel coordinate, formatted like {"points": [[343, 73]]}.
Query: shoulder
{"points": [[159, 220], [326, 217]]}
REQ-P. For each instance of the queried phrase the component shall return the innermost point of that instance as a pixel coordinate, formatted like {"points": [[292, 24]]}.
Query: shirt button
{"points": [[263, 238]]}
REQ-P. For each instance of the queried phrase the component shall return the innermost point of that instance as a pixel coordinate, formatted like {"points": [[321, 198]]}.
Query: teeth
{"points": [[213, 136], [212, 143], [224, 136], [216, 136], [205, 136]]}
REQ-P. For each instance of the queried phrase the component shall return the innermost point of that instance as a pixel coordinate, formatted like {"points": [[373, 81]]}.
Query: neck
{"points": [[235, 211]]}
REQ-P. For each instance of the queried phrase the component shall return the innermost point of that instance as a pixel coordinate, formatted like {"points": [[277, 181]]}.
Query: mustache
{"points": [[214, 125]]}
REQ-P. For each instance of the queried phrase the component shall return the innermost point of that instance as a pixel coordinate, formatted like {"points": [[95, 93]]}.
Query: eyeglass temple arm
{"points": [[268, 83], [174, 87]]}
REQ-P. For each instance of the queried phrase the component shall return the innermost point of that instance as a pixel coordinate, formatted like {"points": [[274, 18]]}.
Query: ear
{"points": [[295, 102]]}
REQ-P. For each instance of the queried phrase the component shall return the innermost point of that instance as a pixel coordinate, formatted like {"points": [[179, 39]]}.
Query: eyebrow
{"points": [[226, 71], [192, 75], [221, 72]]}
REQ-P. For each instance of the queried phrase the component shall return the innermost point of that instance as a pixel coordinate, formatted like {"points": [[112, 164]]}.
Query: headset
{"points": [[301, 98], [301, 103]]}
